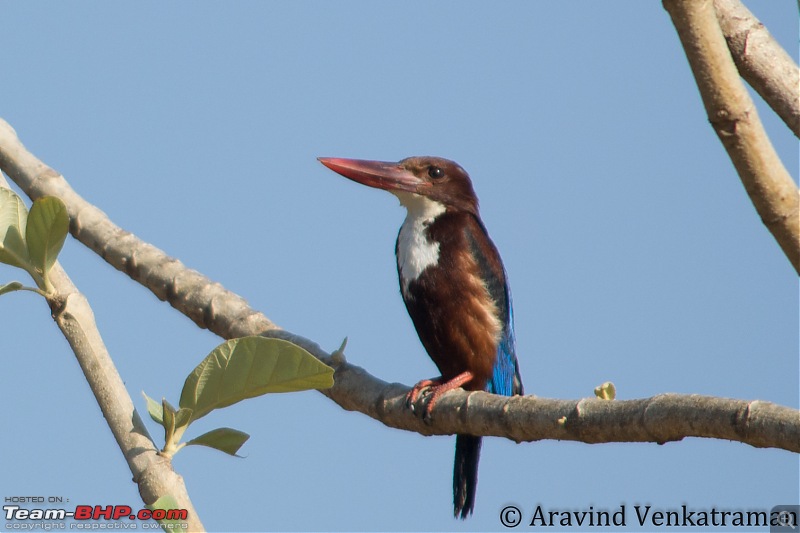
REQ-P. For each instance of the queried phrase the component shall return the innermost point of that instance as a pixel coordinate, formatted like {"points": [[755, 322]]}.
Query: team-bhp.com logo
{"points": [[94, 512]]}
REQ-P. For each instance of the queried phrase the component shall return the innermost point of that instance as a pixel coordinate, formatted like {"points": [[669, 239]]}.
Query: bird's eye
{"points": [[435, 172]]}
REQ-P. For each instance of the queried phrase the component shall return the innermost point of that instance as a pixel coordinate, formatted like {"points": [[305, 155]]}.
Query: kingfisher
{"points": [[454, 287]]}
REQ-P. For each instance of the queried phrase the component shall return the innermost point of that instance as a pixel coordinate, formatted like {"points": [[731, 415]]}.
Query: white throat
{"points": [[415, 252]]}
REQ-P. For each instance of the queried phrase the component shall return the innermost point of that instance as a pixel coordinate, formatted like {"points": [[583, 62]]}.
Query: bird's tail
{"points": [[465, 474]]}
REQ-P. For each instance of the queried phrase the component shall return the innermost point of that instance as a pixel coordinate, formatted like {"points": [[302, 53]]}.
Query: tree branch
{"points": [[761, 61], [734, 118], [151, 472], [660, 419]]}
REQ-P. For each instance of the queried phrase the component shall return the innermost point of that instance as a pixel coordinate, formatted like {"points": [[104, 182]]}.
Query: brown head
{"points": [[435, 178]]}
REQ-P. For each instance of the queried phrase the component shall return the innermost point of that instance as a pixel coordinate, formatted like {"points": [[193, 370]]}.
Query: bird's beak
{"points": [[378, 174]]}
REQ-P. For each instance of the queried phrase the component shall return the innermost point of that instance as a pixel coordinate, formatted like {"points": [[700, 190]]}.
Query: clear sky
{"points": [[633, 252]]}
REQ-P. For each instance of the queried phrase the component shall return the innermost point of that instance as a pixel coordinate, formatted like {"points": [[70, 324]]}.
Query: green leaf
{"points": [[169, 419], [223, 439], [183, 417], [167, 503], [11, 287], [248, 367], [168, 405], [48, 225], [175, 424], [13, 217], [154, 409]]}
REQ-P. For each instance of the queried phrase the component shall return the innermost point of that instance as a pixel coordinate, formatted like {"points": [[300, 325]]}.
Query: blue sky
{"points": [[633, 251]]}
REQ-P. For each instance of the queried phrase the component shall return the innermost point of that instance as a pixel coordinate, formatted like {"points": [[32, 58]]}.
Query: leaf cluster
{"points": [[31, 240], [234, 371]]}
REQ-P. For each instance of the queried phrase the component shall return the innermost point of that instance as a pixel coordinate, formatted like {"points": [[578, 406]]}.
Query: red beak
{"points": [[378, 174]]}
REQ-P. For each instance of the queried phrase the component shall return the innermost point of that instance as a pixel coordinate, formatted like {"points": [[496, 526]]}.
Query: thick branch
{"points": [[734, 118], [659, 419], [151, 472], [761, 61]]}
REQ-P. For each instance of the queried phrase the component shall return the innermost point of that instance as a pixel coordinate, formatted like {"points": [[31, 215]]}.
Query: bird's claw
{"points": [[421, 391], [432, 389], [425, 413]]}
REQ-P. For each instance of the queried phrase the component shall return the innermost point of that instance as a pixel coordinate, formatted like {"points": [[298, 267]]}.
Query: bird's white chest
{"points": [[415, 252]]}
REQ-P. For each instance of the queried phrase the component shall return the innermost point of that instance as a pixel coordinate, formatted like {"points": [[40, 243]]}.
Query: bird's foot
{"points": [[418, 389], [432, 390]]}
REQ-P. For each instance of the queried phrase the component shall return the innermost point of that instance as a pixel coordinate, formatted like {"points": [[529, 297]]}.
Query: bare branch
{"points": [[660, 419], [207, 303], [734, 118], [761, 61], [151, 472]]}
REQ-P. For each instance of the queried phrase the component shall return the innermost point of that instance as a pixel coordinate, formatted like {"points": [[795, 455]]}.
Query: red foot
{"points": [[413, 394], [437, 388]]}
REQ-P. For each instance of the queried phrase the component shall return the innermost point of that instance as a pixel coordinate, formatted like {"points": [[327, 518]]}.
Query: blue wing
{"points": [[506, 379]]}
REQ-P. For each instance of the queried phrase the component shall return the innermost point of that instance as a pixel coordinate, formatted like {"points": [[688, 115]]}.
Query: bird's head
{"points": [[434, 178]]}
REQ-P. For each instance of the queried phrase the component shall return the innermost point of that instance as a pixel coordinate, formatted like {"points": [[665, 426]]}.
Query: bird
{"points": [[455, 289]]}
